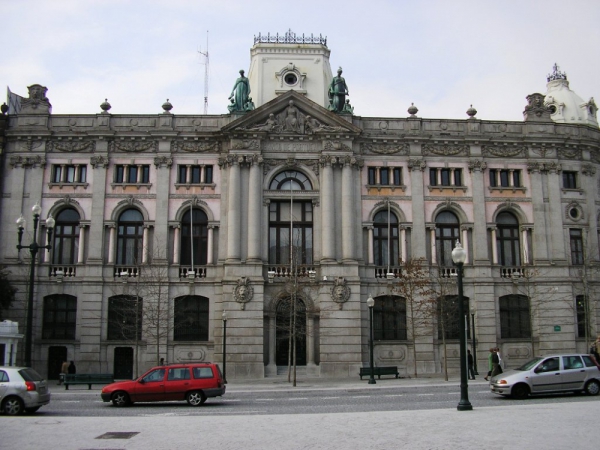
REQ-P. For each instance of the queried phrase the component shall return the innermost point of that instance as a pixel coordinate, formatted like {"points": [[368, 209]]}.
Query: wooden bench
{"points": [[386, 370], [89, 379]]}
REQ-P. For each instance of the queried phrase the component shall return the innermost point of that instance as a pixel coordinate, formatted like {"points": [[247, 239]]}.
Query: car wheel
{"points": [[31, 410], [120, 399], [13, 406], [196, 398], [592, 388], [520, 391]]}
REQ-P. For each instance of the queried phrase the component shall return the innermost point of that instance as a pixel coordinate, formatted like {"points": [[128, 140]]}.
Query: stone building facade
{"points": [[165, 221]]}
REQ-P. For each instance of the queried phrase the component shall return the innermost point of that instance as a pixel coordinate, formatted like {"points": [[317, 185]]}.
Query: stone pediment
{"points": [[291, 114]]}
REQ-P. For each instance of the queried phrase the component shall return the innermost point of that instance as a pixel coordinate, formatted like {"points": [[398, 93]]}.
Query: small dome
{"points": [[565, 105]]}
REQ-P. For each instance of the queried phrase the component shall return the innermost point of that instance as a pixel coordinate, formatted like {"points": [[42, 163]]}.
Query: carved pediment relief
{"points": [[292, 114], [400, 148], [132, 145], [72, 146]]}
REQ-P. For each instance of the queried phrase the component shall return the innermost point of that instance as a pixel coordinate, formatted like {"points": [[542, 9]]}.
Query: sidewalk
{"points": [[510, 426]]}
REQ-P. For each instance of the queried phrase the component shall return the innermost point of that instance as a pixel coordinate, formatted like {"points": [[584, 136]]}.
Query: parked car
{"points": [[22, 389], [192, 382], [549, 374]]}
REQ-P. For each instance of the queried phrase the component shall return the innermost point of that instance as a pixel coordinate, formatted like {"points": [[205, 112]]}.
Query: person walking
{"points": [[64, 368], [470, 365], [496, 369], [490, 365], [72, 369]]}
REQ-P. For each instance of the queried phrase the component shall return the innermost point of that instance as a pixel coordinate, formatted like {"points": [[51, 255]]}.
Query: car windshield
{"points": [[529, 364], [30, 375]]}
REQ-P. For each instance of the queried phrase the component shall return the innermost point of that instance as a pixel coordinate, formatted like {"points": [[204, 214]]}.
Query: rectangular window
{"points": [[182, 174], [60, 314], [576, 239], [208, 174], [504, 178], [69, 173], [514, 317], [372, 176], [448, 317], [124, 318], [517, 178], [132, 174], [389, 319], [580, 307], [458, 177], [384, 176], [191, 318], [433, 177], [57, 174], [569, 180], [195, 174], [397, 176], [445, 177]]}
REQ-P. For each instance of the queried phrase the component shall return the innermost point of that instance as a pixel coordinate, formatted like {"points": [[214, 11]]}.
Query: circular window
{"points": [[574, 213], [290, 78], [552, 109]]}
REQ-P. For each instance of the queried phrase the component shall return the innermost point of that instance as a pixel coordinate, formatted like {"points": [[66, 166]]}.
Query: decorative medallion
{"points": [[243, 292], [340, 292], [477, 165], [99, 161]]}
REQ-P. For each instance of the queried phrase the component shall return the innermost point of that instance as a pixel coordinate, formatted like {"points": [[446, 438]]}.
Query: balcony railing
{"points": [[284, 271], [512, 272], [62, 271], [192, 273], [125, 272], [389, 273]]}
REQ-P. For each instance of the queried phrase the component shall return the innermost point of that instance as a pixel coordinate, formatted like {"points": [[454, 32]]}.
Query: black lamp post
{"points": [[458, 256], [224, 317], [474, 344], [370, 304], [34, 247]]}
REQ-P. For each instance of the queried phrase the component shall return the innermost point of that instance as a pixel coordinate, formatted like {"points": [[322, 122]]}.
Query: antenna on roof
{"points": [[206, 61]]}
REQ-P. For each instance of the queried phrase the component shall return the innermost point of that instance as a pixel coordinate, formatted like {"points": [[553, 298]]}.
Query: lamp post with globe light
{"points": [[224, 317], [458, 257], [371, 304], [34, 247]]}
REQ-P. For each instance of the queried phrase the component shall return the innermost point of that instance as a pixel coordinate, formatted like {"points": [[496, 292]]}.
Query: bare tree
{"points": [[7, 291], [414, 284]]}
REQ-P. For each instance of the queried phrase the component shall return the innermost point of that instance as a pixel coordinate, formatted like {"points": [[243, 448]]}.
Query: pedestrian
{"points": [[162, 362], [595, 349], [496, 369], [500, 362], [72, 369], [64, 368], [470, 365], [490, 364]]}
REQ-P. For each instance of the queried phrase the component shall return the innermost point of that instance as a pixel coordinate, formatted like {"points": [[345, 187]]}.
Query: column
{"points": [[479, 235], [254, 210], [272, 343], [160, 233], [540, 242], [126, 173], [418, 235], [511, 178], [145, 245], [494, 246], [525, 244], [188, 173], [202, 173], [96, 235], [139, 174], [438, 176], [111, 244], [209, 245], [433, 252], [347, 211], [233, 212], [310, 341], [81, 244], [370, 256], [465, 242], [176, 244], [328, 210], [452, 178], [556, 237], [403, 243]]}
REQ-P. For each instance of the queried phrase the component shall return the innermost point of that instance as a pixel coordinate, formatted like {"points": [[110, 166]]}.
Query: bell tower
{"points": [[281, 63]]}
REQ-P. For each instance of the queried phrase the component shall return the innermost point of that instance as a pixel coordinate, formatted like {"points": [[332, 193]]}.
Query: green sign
{"points": [[556, 327]]}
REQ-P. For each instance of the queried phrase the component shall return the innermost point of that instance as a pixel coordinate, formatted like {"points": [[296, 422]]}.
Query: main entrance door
{"points": [[56, 356], [123, 365], [284, 328]]}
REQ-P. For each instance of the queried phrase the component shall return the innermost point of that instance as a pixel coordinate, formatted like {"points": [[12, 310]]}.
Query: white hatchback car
{"points": [[22, 389], [550, 374]]}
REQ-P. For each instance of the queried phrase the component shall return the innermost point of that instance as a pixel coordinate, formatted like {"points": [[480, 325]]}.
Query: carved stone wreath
{"points": [[243, 292], [340, 292]]}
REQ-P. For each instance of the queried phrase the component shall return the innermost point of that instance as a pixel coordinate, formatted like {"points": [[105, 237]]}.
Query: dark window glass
{"points": [[132, 174], [448, 317], [60, 316], [290, 179], [197, 241], [517, 178], [397, 176], [384, 176], [389, 318], [493, 180], [191, 318], [381, 239], [433, 177], [208, 177], [129, 239], [82, 174], [507, 240], [145, 174], [120, 174], [196, 174], [447, 228], [124, 318], [458, 177], [445, 173], [581, 306], [66, 237], [576, 239], [279, 232], [57, 174], [182, 174], [569, 180], [504, 178], [514, 317], [372, 175]]}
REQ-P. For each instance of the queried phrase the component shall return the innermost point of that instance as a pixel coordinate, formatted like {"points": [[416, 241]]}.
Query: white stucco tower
{"points": [[279, 64]]}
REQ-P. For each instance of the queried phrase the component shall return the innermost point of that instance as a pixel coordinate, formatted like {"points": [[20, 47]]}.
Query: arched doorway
{"points": [[284, 329], [56, 356], [123, 363]]}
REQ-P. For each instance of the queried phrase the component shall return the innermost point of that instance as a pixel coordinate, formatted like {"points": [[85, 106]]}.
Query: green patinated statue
{"points": [[240, 95], [337, 93]]}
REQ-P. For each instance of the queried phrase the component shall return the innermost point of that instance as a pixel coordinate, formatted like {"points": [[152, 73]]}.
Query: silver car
{"points": [[549, 374], [22, 389]]}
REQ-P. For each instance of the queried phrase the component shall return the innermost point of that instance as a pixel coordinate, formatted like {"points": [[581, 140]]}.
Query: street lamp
{"points": [[33, 249], [224, 317], [370, 304], [474, 344], [459, 256]]}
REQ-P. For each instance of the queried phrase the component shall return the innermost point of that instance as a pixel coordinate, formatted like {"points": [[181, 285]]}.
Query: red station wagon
{"points": [[194, 382]]}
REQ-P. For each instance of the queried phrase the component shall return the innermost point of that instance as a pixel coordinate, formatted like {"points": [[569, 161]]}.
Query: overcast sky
{"points": [[442, 55]]}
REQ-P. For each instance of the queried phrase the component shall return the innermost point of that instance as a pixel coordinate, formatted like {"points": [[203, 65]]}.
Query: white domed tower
{"points": [[565, 105]]}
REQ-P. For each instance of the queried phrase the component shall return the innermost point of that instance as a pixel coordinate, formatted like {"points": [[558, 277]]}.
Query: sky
{"points": [[443, 56]]}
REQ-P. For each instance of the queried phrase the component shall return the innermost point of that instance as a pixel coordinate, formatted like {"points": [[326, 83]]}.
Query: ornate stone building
{"points": [[165, 221]]}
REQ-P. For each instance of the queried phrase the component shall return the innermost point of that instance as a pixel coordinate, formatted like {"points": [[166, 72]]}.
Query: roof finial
{"points": [[556, 74]]}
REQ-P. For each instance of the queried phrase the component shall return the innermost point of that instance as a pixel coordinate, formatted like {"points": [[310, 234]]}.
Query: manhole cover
{"points": [[118, 435]]}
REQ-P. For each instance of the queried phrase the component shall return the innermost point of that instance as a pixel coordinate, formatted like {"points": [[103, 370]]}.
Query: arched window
{"points": [[446, 234], [60, 316], [290, 213], [125, 318], [508, 239], [194, 237], [389, 318], [448, 317], [191, 318], [129, 240], [66, 237], [514, 317], [382, 244]]}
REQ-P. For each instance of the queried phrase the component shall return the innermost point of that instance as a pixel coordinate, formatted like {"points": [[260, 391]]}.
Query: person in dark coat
{"points": [[72, 369], [470, 365]]}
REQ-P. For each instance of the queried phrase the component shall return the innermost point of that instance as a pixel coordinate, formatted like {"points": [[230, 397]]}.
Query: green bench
{"points": [[385, 370], [89, 379]]}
